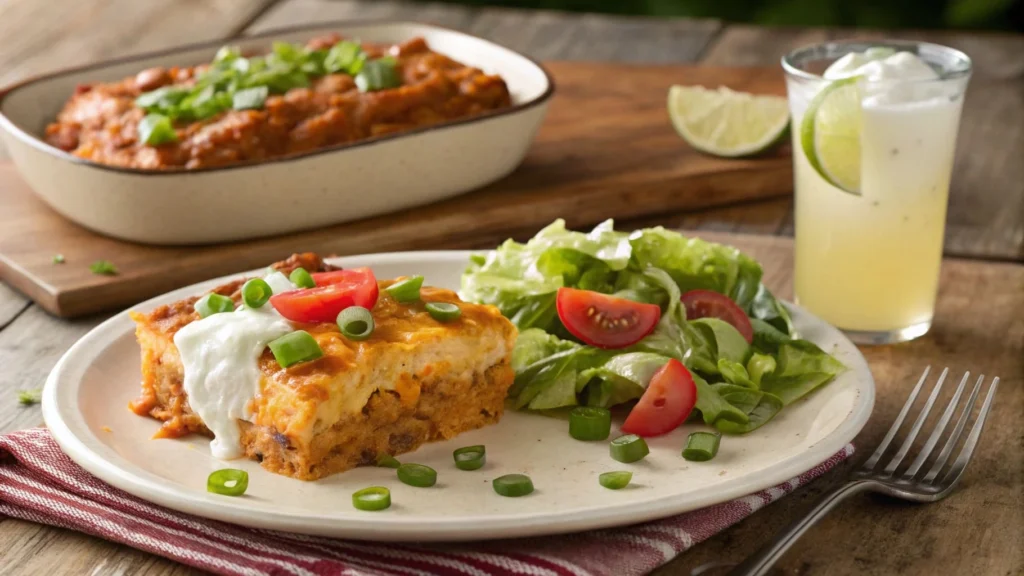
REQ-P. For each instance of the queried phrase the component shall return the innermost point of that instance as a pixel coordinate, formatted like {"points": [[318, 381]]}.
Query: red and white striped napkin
{"points": [[40, 484]]}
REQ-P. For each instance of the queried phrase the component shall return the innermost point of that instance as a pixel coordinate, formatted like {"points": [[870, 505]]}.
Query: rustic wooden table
{"points": [[980, 322]]}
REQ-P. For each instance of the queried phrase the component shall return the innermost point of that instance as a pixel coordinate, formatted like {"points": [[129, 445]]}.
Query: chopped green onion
{"points": [[58, 258], [342, 57], [590, 423], [213, 304], [202, 104], [232, 81], [156, 129], [701, 446], [387, 461], [372, 499], [30, 397], [615, 480], [355, 323], [513, 485], [103, 267], [286, 52], [629, 448], [162, 99], [301, 278], [256, 292], [470, 457], [244, 65], [417, 475], [379, 74], [250, 98], [295, 347], [278, 80], [407, 290], [227, 54], [313, 63], [228, 482], [443, 311]]}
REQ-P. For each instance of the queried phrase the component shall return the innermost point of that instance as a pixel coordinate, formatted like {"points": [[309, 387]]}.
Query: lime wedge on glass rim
{"points": [[830, 134], [726, 123]]}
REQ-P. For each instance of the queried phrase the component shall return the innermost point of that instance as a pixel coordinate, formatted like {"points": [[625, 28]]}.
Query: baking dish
{"points": [[328, 186]]}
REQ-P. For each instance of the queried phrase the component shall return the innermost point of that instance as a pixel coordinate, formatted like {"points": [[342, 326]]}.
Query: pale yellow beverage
{"points": [[869, 263]]}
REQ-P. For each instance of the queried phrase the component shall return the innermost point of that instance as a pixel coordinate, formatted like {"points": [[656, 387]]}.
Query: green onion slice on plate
{"points": [[629, 448], [372, 499], [387, 461], [701, 446], [470, 457], [417, 475], [513, 485], [590, 423], [228, 482], [615, 480]]}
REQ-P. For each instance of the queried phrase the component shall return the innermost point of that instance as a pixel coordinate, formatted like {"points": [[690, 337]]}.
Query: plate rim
{"points": [[80, 444]]}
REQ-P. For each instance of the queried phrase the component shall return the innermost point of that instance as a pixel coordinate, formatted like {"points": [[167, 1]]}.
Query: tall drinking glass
{"points": [[872, 165]]}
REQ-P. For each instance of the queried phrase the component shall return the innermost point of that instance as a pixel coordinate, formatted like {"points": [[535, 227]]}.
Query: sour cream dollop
{"points": [[220, 355]]}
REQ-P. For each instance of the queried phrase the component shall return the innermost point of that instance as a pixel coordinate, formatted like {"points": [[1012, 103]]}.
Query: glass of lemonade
{"points": [[874, 130]]}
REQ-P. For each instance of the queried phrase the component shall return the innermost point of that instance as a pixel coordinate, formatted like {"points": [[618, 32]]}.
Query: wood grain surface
{"points": [[600, 152], [976, 531]]}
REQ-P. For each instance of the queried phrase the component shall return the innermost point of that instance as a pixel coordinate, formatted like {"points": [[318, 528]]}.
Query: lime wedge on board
{"points": [[726, 123], [830, 134]]}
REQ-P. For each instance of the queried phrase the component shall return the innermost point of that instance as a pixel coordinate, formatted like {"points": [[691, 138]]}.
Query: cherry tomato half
{"points": [[332, 277], [711, 304], [334, 292], [668, 401], [605, 321]]}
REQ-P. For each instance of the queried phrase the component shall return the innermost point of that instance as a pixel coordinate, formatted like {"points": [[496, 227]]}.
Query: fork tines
{"points": [[912, 475]]}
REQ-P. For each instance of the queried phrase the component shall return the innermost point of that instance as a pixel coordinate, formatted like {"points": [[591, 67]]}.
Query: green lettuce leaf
{"points": [[758, 366], [758, 406], [694, 263], [674, 337], [621, 378], [729, 343], [767, 337], [713, 407], [801, 368], [735, 373], [541, 361]]}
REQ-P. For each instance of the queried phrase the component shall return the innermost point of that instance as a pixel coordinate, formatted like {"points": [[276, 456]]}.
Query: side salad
{"points": [[683, 325]]}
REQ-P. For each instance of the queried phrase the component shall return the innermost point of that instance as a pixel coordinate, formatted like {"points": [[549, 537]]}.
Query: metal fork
{"points": [[911, 484]]}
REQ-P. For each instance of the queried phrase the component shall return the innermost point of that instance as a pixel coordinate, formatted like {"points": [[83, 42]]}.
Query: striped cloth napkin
{"points": [[40, 484]]}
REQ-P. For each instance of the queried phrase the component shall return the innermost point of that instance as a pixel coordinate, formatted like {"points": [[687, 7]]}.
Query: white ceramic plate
{"points": [[90, 388], [327, 186]]}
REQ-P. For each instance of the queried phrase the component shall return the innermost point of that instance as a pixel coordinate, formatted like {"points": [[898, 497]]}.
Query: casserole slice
{"points": [[414, 380]]}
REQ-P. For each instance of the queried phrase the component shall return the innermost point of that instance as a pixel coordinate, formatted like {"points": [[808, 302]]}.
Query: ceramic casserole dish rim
{"points": [[37, 142]]}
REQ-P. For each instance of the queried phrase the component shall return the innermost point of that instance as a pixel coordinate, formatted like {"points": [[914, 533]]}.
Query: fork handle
{"points": [[762, 561]]}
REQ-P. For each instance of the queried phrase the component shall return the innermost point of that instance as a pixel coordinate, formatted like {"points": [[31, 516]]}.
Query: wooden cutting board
{"points": [[606, 150]]}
